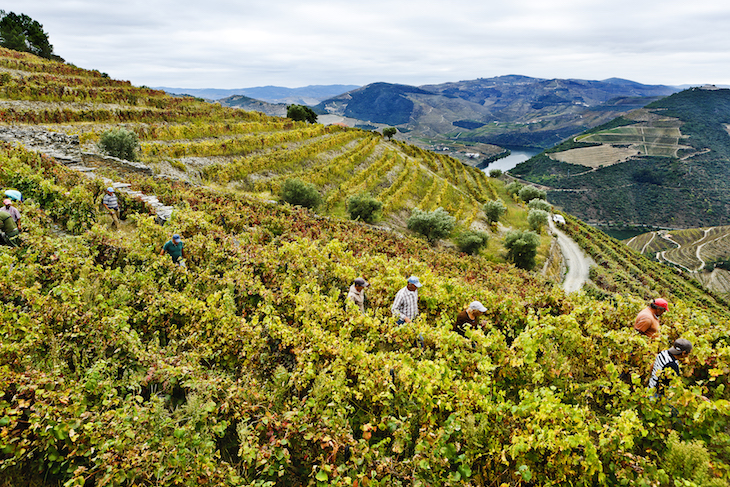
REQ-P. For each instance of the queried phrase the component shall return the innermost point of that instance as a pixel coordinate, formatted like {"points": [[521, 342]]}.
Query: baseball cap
{"points": [[176, 237], [361, 282], [414, 280], [477, 306], [661, 303], [7, 201], [110, 189], [680, 346]]}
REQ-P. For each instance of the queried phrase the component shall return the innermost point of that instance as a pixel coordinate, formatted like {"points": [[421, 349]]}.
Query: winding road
{"points": [[577, 262]]}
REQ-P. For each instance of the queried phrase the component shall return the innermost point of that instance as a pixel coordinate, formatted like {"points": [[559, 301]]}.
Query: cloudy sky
{"points": [[293, 43]]}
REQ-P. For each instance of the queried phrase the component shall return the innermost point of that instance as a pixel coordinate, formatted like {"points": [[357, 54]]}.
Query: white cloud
{"points": [[227, 44]]}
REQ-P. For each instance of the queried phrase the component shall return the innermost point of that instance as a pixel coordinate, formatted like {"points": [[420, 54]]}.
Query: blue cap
{"points": [[110, 189], [176, 237], [414, 280]]}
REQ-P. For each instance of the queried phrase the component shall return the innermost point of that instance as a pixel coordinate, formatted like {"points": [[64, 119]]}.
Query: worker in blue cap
{"points": [[176, 249], [111, 204]]}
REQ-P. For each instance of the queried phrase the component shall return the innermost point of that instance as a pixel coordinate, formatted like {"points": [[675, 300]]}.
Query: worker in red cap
{"points": [[647, 321]]}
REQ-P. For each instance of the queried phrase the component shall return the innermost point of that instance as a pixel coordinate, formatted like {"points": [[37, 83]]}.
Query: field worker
{"points": [[647, 321], [469, 316], [668, 358], [9, 208], [112, 205], [8, 229], [14, 194], [176, 249], [357, 293], [405, 304]]}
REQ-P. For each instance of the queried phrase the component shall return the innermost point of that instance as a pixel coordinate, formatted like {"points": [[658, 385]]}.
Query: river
{"points": [[520, 154]]}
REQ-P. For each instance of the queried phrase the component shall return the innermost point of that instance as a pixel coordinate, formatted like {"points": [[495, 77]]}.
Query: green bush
{"points": [[529, 193], [121, 143], [688, 461], [471, 242], [494, 210], [364, 208], [297, 192], [389, 132], [495, 173], [301, 113], [522, 248], [513, 188], [431, 224], [537, 219], [540, 204]]}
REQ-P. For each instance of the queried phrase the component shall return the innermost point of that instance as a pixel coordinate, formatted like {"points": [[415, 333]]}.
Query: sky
{"points": [[294, 43]]}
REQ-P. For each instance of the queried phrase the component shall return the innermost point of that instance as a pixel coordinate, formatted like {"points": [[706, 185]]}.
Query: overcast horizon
{"points": [[228, 45]]}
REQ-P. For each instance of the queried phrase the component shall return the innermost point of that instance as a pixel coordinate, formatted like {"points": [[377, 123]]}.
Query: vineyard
{"points": [[692, 250], [249, 368], [246, 151]]}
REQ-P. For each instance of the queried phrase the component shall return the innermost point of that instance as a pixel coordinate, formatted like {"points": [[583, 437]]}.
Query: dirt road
{"points": [[576, 260]]}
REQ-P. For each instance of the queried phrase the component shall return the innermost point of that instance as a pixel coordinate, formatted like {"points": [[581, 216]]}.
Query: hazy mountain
{"points": [[667, 165], [308, 95], [507, 110]]}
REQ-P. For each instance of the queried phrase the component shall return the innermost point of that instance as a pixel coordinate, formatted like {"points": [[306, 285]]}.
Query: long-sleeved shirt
{"points": [[405, 304], [663, 359], [13, 212], [357, 297]]}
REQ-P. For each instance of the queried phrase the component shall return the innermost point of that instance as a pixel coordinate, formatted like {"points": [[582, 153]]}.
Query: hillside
{"points": [[248, 367], [704, 252], [504, 111], [663, 166]]}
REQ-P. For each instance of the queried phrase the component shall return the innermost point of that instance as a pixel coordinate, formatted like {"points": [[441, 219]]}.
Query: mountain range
{"points": [[307, 95], [506, 110]]}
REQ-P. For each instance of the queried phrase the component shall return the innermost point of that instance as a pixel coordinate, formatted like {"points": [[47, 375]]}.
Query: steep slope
{"points": [[704, 252], [665, 166], [189, 139], [249, 367], [506, 110]]}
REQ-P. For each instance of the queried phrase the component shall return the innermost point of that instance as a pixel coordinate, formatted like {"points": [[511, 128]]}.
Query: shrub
{"points": [[537, 219], [431, 224], [297, 192], [301, 113], [389, 132], [540, 204], [121, 143], [688, 461], [495, 173], [529, 193], [471, 242], [364, 208], [522, 248], [513, 188], [494, 210]]}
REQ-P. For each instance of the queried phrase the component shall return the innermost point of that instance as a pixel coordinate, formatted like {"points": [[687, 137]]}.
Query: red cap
{"points": [[661, 303]]}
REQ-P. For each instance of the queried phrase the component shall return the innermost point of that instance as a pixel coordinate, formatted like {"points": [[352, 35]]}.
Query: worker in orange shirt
{"points": [[647, 321]]}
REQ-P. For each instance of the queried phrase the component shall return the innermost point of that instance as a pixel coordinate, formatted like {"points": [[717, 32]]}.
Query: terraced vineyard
{"points": [[205, 143], [249, 368], [691, 250]]}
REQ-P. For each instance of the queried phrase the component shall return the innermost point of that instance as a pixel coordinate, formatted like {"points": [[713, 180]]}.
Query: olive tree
{"points": [[521, 248], [494, 210], [433, 225]]}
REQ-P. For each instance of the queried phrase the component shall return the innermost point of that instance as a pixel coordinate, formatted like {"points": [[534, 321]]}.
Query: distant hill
{"points": [[507, 110], [308, 95], [704, 252], [666, 165]]}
